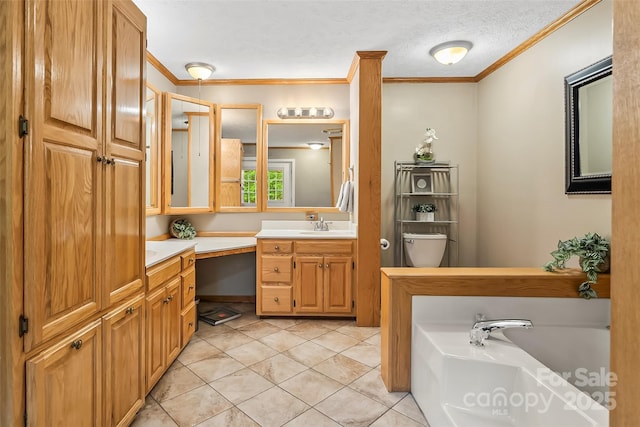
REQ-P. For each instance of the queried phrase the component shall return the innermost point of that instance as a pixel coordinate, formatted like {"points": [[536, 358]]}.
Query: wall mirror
{"points": [[589, 129], [153, 108], [236, 175], [305, 164], [189, 135]]}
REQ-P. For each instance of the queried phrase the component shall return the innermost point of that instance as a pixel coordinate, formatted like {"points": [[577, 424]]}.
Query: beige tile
{"points": [[408, 407], [215, 367], [335, 341], [311, 386], [283, 323], [282, 340], [308, 330], [251, 352], [373, 340], [273, 407], [342, 369], [228, 341], [152, 415], [196, 406], [392, 418], [278, 368], [309, 353], [371, 385], [197, 350], [174, 382], [241, 385], [230, 418], [350, 408], [333, 324], [242, 307], [207, 330], [244, 320], [364, 353], [358, 332], [312, 418], [258, 330]]}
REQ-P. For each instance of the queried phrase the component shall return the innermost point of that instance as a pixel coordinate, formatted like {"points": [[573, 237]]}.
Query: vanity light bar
{"points": [[305, 113]]}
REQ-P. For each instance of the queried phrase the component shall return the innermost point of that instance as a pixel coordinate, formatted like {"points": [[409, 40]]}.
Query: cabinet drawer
{"points": [[276, 299], [162, 272], [276, 246], [188, 320], [188, 259], [276, 269], [324, 247], [188, 287]]}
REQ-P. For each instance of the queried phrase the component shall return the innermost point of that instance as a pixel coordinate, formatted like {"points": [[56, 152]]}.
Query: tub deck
{"points": [[399, 285]]}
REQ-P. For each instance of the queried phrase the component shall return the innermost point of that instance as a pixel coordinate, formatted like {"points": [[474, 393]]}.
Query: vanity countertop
{"points": [[305, 230], [157, 251]]}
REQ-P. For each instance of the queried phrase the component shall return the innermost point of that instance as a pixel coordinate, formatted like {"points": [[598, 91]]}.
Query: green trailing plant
{"points": [[593, 252], [425, 207], [182, 229]]}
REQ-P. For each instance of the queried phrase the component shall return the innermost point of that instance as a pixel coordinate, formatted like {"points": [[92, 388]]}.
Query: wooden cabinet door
{"points": [[337, 285], [173, 325], [64, 69], [308, 284], [125, 172], [64, 382], [230, 172], [124, 362], [155, 337]]}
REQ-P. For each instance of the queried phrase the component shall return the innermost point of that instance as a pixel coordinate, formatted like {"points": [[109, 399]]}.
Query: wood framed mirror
{"points": [[304, 164], [189, 135], [237, 144], [153, 109], [589, 129]]}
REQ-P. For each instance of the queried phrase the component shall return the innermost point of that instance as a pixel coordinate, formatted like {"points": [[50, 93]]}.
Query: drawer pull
{"points": [[190, 260], [76, 344], [191, 287], [276, 247], [276, 269], [276, 299], [129, 310], [191, 324]]}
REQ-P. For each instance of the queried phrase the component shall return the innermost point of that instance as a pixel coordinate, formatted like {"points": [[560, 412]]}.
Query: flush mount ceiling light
{"points": [[449, 53], [315, 145], [200, 70], [305, 113]]}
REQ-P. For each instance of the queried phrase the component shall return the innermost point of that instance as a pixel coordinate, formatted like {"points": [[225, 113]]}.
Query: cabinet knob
{"points": [[190, 260], [190, 324], [320, 265], [76, 344], [170, 298], [276, 299], [276, 269], [276, 247], [129, 310], [327, 265], [191, 287], [99, 159], [166, 301]]}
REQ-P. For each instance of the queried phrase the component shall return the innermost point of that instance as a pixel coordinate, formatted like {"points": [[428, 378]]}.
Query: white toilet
{"points": [[424, 250]]}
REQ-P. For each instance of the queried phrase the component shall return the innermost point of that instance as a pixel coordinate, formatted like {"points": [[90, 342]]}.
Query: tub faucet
{"points": [[321, 225], [482, 329]]}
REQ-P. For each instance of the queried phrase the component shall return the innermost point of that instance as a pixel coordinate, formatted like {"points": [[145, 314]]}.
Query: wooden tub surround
{"points": [[399, 285]]}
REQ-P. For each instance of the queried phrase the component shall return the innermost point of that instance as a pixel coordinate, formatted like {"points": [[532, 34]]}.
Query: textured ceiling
{"points": [[318, 38]]}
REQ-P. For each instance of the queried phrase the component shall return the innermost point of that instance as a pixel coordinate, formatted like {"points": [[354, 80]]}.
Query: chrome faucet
{"points": [[320, 225], [482, 329]]}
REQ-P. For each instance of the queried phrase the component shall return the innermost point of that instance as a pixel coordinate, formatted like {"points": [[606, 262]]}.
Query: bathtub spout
{"points": [[481, 330]]}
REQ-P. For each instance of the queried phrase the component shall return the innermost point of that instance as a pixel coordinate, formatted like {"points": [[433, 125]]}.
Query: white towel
{"points": [[346, 197], [340, 196]]}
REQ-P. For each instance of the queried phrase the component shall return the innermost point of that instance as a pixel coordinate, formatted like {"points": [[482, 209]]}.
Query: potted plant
{"points": [[182, 229], [593, 252], [425, 211]]}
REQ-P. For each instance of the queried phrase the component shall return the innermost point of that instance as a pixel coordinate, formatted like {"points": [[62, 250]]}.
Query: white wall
{"points": [[522, 208], [450, 108]]}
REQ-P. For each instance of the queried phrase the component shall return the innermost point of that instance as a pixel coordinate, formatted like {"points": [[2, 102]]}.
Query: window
{"points": [[280, 184]]}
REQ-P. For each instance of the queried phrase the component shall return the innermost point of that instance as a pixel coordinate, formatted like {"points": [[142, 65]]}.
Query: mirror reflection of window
{"points": [[316, 152]]}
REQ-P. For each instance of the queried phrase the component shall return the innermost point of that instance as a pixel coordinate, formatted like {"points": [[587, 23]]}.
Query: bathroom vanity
{"points": [[302, 272]]}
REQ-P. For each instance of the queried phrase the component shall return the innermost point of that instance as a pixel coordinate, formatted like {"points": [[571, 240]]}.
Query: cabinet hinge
{"points": [[25, 418], [294, 303], [294, 264], [23, 325], [353, 304], [353, 265], [23, 126]]}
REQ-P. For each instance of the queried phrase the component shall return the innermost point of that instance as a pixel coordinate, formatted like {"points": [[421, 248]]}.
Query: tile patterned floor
{"points": [[278, 372]]}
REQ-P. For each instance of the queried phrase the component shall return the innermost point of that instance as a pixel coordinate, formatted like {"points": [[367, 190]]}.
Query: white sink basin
{"points": [[304, 230], [326, 233]]}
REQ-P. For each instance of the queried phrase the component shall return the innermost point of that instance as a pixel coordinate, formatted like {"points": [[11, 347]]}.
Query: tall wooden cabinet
{"points": [[84, 210]]}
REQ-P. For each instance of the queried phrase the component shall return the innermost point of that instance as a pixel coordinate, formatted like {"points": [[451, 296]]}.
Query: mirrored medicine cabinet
{"points": [[189, 131], [153, 109]]}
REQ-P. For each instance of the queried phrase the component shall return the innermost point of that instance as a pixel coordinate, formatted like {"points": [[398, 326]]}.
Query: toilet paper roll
{"points": [[384, 244]]}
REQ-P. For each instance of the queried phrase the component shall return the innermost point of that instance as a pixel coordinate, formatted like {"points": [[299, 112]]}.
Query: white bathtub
{"points": [[516, 379]]}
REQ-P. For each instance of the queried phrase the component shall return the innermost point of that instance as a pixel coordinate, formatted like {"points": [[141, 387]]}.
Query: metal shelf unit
{"points": [[436, 183]]}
